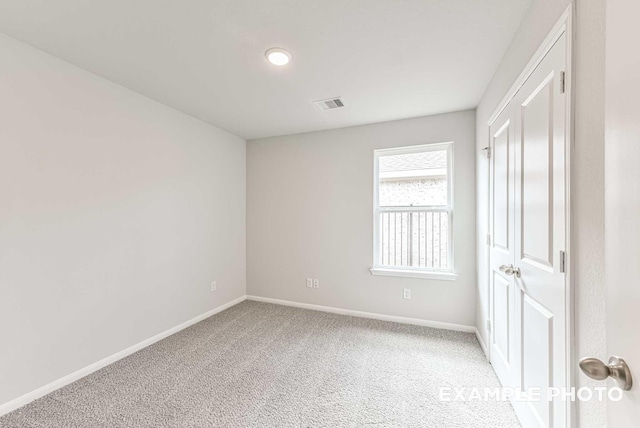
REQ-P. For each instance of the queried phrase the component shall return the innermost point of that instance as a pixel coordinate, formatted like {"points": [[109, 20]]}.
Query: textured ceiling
{"points": [[388, 59]]}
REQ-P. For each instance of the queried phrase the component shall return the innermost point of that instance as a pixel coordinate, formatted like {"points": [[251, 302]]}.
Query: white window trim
{"points": [[413, 272]]}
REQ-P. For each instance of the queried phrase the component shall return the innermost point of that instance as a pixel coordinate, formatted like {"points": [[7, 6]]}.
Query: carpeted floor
{"points": [[262, 365]]}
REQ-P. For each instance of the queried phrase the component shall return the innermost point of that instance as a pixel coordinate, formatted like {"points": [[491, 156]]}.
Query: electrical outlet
{"points": [[309, 283], [214, 286], [407, 293], [316, 283]]}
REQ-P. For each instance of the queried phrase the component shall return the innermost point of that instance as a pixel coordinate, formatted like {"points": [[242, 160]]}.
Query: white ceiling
{"points": [[388, 59]]}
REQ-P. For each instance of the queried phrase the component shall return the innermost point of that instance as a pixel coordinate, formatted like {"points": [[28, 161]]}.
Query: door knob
{"points": [[510, 270], [616, 369]]}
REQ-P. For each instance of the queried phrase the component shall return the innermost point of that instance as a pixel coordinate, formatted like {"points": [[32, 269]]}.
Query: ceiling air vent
{"points": [[330, 103]]}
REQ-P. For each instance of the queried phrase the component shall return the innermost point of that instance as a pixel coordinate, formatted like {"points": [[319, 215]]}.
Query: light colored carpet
{"points": [[262, 365]]}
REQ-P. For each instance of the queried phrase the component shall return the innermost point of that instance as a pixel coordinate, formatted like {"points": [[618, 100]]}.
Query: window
{"points": [[413, 211]]}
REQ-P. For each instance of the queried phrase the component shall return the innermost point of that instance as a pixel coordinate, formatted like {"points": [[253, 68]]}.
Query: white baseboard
{"points": [[482, 344], [57, 384], [402, 320]]}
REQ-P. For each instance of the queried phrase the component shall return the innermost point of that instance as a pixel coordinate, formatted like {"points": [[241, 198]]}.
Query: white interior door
{"points": [[540, 238], [528, 341], [622, 197], [502, 248]]}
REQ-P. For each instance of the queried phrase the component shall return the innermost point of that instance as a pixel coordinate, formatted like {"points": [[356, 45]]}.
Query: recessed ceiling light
{"points": [[277, 56]]}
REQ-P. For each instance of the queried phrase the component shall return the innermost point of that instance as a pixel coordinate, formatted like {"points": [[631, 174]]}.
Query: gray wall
{"points": [[310, 214], [117, 213], [587, 172], [589, 199]]}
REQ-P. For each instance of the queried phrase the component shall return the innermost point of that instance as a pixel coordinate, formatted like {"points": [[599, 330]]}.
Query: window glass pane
{"points": [[417, 239], [413, 179]]}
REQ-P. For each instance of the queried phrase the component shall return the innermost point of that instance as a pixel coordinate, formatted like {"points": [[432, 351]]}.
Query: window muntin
{"points": [[413, 208]]}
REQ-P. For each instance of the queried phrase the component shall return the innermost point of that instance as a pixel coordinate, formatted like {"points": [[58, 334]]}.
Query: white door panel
{"points": [[501, 286], [540, 222], [536, 175], [503, 307], [537, 355], [503, 186]]}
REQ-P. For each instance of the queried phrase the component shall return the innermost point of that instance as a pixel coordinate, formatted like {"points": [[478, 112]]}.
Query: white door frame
{"points": [[564, 25]]}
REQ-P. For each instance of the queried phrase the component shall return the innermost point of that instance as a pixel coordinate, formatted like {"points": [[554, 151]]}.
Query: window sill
{"points": [[406, 273]]}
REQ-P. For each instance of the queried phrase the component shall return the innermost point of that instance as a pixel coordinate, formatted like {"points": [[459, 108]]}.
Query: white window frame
{"points": [[413, 272]]}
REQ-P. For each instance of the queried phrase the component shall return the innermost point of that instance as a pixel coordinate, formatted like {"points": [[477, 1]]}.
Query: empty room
{"points": [[337, 213]]}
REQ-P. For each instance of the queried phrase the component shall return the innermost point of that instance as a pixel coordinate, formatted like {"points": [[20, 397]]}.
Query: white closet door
{"points": [[502, 248], [540, 238]]}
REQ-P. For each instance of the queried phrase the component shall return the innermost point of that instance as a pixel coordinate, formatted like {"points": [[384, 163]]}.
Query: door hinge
{"points": [[488, 152], [563, 262], [562, 82], [489, 326], [488, 239]]}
